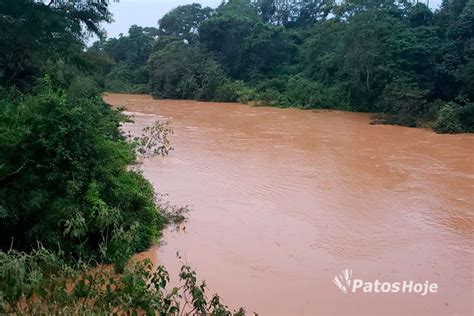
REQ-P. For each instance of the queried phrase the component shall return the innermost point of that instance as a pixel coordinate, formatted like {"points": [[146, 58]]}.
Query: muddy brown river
{"points": [[284, 200]]}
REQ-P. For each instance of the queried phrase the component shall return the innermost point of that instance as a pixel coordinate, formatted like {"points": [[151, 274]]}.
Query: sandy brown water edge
{"points": [[283, 200]]}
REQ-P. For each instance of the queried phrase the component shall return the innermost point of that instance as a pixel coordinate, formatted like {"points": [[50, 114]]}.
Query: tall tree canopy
{"points": [[184, 21], [395, 57], [32, 31]]}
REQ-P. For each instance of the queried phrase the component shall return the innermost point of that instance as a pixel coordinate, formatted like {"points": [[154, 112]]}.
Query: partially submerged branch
{"points": [[154, 140]]}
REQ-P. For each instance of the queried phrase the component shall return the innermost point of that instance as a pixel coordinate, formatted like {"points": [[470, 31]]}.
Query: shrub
{"points": [[229, 91], [268, 97], [304, 93], [246, 95], [448, 120], [404, 102]]}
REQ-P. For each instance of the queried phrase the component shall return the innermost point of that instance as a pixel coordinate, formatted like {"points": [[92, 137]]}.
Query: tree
{"points": [[130, 53], [63, 168], [184, 71], [448, 119], [224, 35], [33, 31], [397, 57], [184, 21], [349, 8], [294, 13], [312, 11], [264, 51]]}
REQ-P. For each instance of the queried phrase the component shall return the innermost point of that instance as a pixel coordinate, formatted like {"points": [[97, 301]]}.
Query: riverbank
{"points": [[448, 123]]}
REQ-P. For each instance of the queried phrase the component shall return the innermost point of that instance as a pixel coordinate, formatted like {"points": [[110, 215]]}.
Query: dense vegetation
{"points": [[64, 176], [398, 58], [71, 198], [40, 283], [64, 163]]}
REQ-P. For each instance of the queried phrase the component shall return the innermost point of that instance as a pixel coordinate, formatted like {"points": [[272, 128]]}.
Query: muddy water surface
{"points": [[283, 200]]}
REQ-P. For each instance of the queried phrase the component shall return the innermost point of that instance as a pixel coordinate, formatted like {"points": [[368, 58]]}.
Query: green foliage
{"points": [[68, 177], [184, 71], [295, 13], [126, 78], [465, 76], [83, 87], [63, 160], [135, 48], [393, 57], [224, 35], [32, 32], [42, 283], [404, 102], [154, 140], [184, 21], [448, 120], [129, 54], [174, 215], [264, 51], [304, 93], [76, 66], [467, 117], [229, 91]]}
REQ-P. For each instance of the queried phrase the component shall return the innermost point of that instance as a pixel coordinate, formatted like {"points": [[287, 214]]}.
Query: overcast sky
{"points": [[148, 12]]}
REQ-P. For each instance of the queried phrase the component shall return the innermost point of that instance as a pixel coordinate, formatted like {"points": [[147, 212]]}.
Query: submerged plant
{"points": [[154, 140], [173, 214]]}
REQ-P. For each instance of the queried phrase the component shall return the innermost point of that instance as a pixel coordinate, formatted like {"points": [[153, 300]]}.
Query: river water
{"points": [[283, 200]]}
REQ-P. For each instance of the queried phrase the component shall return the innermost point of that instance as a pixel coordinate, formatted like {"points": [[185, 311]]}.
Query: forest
{"points": [[400, 60]]}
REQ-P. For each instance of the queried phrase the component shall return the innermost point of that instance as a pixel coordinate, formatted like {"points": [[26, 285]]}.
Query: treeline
{"points": [[412, 65]]}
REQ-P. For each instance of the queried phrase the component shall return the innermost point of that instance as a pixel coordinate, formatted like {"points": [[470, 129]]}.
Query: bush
{"points": [[229, 91], [269, 97], [246, 95], [278, 84], [448, 120], [304, 93], [64, 178], [404, 102]]}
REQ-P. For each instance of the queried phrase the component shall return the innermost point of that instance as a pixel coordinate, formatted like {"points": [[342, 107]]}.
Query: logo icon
{"points": [[346, 284], [343, 281]]}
